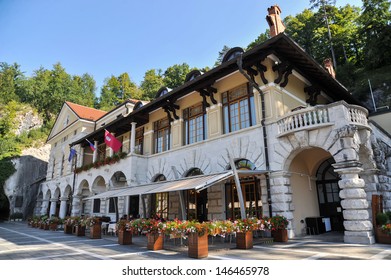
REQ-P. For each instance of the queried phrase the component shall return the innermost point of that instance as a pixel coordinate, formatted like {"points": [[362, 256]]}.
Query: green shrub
{"points": [[381, 219]]}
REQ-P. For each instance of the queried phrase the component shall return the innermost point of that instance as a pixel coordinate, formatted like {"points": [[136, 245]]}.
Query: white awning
{"points": [[191, 183], [197, 183], [106, 194]]}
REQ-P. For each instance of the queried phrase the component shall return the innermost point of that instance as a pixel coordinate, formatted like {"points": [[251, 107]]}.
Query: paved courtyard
{"points": [[20, 242]]}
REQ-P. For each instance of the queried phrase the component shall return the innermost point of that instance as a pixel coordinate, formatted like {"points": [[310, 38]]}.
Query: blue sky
{"points": [[109, 37]]}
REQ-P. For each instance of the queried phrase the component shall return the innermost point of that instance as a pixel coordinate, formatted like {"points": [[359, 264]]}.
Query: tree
{"points": [[221, 55], [261, 38], [83, 90], [116, 90], [175, 75], [152, 82], [302, 29], [11, 80], [375, 25]]}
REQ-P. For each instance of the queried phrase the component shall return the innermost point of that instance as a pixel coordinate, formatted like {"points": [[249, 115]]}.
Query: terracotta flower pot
{"points": [[68, 229], [53, 226], [382, 237], [244, 240], [198, 246], [124, 237], [96, 231], [280, 235], [80, 230], [155, 241]]}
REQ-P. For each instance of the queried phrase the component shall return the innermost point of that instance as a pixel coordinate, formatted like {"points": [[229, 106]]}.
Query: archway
{"points": [[196, 202], [84, 192], [159, 201], [302, 176], [4, 206], [99, 186], [68, 196]]}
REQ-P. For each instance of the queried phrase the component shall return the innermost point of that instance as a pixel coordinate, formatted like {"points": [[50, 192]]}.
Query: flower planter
{"points": [[280, 235], [124, 237], [68, 229], [96, 231], [244, 240], [155, 241], [382, 237], [46, 226], [53, 226], [80, 230], [198, 246]]}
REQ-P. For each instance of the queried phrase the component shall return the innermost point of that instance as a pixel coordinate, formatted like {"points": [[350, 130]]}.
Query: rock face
{"points": [[27, 120], [22, 187]]}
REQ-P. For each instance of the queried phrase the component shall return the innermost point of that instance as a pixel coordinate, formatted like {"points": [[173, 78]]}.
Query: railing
{"points": [[304, 119], [319, 116]]}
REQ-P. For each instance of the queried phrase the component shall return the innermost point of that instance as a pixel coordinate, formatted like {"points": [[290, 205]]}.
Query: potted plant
{"points": [[383, 229], [197, 234], [278, 226], [54, 222], [79, 228], [95, 226], [154, 229], [124, 231], [244, 232]]}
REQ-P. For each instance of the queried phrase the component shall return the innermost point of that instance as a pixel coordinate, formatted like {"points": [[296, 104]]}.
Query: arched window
{"points": [[162, 91], [192, 75], [232, 53], [251, 191]]}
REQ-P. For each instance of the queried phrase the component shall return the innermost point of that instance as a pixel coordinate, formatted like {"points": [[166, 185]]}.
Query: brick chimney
{"points": [[274, 20], [328, 64]]}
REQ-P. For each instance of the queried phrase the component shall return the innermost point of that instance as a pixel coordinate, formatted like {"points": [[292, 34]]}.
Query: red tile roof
{"points": [[86, 112]]}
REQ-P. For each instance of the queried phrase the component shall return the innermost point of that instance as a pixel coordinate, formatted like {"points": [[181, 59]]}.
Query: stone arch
{"points": [[118, 180], [82, 193], [158, 178], [99, 185], [194, 171]]}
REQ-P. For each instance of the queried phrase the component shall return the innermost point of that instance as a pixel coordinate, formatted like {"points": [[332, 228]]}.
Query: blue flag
{"points": [[72, 153]]}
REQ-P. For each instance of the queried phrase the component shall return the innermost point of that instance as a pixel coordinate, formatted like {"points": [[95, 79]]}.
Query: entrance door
{"points": [[202, 212], [328, 195], [134, 206]]}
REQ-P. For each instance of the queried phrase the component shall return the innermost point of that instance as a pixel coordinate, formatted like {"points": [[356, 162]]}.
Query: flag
{"points": [[72, 153], [112, 142], [91, 145]]}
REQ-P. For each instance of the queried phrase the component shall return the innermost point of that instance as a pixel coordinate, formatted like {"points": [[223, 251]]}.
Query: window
{"points": [[139, 141], [159, 203], [63, 165], [54, 168], [251, 191], [162, 135], [113, 202], [96, 207], [238, 108], [194, 124]]}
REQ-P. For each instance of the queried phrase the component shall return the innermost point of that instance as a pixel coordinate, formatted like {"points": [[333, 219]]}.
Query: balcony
{"points": [[322, 116]]}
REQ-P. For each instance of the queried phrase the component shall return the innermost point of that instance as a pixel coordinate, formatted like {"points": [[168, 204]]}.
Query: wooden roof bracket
{"points": [[284, 69]]}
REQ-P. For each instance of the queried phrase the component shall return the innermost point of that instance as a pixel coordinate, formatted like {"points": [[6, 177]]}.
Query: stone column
{"points": [[63, 207], [53, 203], [358, 226], [45, 206], [133, 137], [76, 205], [281, 197]]}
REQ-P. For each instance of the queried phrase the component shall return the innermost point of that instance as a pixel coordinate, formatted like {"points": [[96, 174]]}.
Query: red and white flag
{"points": [[112, 142]]}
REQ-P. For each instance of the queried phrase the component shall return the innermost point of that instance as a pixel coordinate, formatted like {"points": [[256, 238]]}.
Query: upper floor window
{"points": [[139, 141], [162, 135], [238, 108], [194, 124]]}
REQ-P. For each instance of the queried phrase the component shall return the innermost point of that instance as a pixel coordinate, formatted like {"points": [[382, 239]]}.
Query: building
{"points": [[268, 132]]}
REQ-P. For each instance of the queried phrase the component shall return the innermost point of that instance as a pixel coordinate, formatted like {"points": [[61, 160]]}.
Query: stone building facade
{"points": [[268, 132]]}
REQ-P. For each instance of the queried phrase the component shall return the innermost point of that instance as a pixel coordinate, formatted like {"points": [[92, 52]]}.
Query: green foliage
{"points": [[175, 75], [381, 219], [152, 82]]}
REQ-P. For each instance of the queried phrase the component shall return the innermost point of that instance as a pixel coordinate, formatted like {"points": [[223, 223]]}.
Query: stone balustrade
{"points": [[321, 116]]}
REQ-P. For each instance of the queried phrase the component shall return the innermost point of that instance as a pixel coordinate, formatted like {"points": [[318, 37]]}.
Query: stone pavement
{"points": [[20, 242]]}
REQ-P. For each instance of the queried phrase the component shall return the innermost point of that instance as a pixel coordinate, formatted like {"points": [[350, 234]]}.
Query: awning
{"points": [[196, 183], [106, 194], [191, 183]]}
